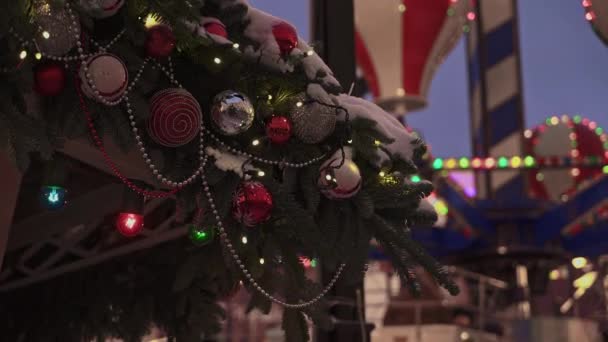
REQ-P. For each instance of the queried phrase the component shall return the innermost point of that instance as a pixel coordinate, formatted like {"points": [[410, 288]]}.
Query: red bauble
{"points": [[49, 79], [175, 117], [129, 224], [286, 37], [160, 41], [278, 129], [252, 204], [216, 28]]}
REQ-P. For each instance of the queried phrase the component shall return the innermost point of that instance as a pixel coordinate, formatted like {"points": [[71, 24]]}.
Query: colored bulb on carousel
{"points": [[130, 224], [53, 197]]}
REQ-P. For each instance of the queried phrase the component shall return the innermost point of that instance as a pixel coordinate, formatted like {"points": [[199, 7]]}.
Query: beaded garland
{"points": [[83, 57]]}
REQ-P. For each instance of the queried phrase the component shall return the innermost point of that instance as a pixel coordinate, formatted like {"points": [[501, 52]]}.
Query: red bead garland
{"points": [[108, 160]]}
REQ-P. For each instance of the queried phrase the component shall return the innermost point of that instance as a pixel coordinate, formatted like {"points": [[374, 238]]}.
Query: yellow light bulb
{"points": [[579, 262], [150, 21], [38, 56]]}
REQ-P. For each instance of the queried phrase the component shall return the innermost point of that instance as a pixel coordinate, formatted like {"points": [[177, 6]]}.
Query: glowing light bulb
{"points": [[23, 54], [262, 261], [328, 177], [554, 120], [515, 162], [382, 174], [528, 133], [401, 8], [579, 262], [129, 224], [377, 142], [554, 275], [150, 21], [400, 92], [38, 56], [450, 163], [489, 163], [269, 97], [464, 163], [236, 45], [476, 163], [299, 104], [438, 164], [53, 197], [255, 142], [46, 35], [217, 60], [471, 16], [529, 161], [261, 173], [244, 240], [310, 52], [575, 172], [416, 179]]}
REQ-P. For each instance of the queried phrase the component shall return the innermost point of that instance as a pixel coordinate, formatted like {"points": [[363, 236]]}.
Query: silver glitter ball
{"points": [[232, 113], [312, 122], [57, 32]]}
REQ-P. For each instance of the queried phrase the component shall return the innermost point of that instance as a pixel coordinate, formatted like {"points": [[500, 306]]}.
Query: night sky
{"points": [[565, 68]]}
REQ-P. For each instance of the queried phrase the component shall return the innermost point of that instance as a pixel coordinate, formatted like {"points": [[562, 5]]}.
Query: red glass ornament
{"points": [[129, 224], [160, 41], [286, 37], [49, 79], [278, 129], [252, 204], [216, 28]]}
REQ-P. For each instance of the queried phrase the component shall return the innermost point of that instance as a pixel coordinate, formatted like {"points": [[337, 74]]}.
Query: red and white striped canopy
{"points": [[400, 43]]}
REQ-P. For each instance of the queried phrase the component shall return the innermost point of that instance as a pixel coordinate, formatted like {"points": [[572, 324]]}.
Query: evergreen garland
{"points": [[177, 286]]}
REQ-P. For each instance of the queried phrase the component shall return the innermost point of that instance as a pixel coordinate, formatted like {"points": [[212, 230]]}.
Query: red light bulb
{"points": [[129, 224]]}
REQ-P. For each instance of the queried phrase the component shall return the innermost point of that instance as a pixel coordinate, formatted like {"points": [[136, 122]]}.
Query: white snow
{"points": [[229, 162], [385, 123]]}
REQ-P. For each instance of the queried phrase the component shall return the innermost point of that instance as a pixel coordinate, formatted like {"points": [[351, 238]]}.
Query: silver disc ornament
{"points": [[312, 122], [232, 113]]}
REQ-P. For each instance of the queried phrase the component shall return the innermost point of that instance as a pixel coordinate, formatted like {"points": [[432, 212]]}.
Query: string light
{"points": [[262, 261], [236, 45], [244, 240], [450, 163], [46, 35], [261, 173], [503, 162], [217, 60], [150, 21], [255, 142], [515, 162], [489, 163], [38, 56], [438, 164], [579, 262], [299, 104], [476, 163], [464, 163], [23, 54]]}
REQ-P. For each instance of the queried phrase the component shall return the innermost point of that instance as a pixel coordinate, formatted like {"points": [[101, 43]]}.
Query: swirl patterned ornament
{"points": [[175, 117]]}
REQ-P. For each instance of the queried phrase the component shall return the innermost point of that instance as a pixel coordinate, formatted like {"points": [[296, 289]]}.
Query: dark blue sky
{"points": [[565, 68]]}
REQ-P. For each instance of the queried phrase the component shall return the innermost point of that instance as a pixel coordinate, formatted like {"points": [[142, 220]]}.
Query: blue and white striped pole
{"points": [[495, 91]]}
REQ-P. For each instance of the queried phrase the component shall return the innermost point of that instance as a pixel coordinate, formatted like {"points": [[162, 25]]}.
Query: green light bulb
{"points": [[438, 164], [503, 162], [529, 161], [464, 163], [416, 179], [201, 236]]}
